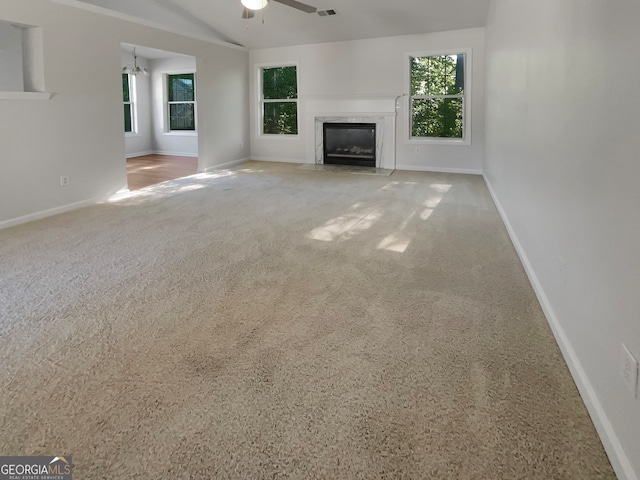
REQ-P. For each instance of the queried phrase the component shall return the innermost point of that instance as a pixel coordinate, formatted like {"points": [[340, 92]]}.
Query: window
{"points": [[438, 97], [128, 103], [279, 101], [182, 101]]}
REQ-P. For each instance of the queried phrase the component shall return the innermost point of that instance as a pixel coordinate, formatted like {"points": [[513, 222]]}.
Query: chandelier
{"points": [[135, 69]]}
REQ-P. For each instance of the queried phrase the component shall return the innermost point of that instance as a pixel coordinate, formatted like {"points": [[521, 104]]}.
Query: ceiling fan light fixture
{"points": [[254, 4]]}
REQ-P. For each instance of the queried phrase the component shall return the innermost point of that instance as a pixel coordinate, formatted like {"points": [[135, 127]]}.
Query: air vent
{"points": [[326, 13]]}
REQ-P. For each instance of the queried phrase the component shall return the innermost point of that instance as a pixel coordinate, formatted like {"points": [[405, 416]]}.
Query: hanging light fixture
{"points": [[135, 69], [254, 4]]}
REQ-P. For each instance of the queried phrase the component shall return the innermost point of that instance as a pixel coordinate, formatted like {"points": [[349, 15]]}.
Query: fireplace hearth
{"points": [[349, 144]]}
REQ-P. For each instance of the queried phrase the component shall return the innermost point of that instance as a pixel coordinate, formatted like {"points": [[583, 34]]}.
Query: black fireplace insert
{"points": [[350, 144]]}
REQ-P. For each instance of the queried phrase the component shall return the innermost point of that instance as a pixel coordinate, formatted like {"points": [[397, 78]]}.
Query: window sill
{"points": [[178, 133], [25, 95], [131, 134], [278, 137], [438, 141]]}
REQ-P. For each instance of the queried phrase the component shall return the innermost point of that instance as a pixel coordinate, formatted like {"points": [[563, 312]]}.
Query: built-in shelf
{"points": [[25, 95]]}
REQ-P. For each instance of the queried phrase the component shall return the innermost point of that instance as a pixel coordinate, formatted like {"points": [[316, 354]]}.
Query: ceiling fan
{"points": [[250, 6]]}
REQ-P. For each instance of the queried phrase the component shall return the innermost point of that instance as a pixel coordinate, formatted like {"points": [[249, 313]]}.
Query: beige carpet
{"points": [[267, 323]]}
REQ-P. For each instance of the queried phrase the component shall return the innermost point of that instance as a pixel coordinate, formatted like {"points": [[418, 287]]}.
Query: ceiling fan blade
{"points": [[247, 14], [299, 5]]}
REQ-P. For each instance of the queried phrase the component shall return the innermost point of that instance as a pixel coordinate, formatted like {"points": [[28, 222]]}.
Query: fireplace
{"points": [[349, 143]]}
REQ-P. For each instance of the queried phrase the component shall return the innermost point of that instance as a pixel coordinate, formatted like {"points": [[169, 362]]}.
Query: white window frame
{"points": [[133, 103], [466, 103], [261, 101], [167, 120]]}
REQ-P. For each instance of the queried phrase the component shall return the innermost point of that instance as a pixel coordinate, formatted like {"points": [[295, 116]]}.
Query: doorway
{"points": [[160, 121]]}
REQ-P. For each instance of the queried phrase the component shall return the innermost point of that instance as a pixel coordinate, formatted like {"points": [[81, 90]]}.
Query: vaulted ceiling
{"points": [[279, 25]]}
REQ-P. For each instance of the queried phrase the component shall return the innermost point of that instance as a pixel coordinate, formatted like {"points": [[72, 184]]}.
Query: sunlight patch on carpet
{"points": [[170, 187]]}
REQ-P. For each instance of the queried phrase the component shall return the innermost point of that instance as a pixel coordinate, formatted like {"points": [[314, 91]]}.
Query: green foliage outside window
{"points": [[437, 96], [182, 116], [181, 87], [181, 96], [128, 124], [126, 95], [126, 98], [280, 105]]}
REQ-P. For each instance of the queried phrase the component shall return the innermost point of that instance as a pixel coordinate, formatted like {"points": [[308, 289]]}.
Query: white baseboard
{"points": [[422, 168], [46, 213], [140, 154], [160, 152], [226, 165], [619, 460], [279, 159], [175, 154], [57, 210]]}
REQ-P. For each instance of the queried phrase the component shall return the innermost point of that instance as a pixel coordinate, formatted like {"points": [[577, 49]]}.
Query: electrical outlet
{"points": [[64, 180], [629, 370], [417, 150]]}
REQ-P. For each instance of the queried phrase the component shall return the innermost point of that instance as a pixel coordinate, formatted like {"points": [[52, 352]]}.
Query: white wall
{"points": [[78, 132], [11, 79], [562, 158], [165, 142], [374, 67], [139, 142]]}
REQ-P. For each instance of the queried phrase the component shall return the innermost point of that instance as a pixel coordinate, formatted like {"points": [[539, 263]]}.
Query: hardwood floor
{"points": [[151, 169]]}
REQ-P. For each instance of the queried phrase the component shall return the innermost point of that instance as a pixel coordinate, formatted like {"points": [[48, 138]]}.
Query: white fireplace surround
{"points": [[380, 110]]}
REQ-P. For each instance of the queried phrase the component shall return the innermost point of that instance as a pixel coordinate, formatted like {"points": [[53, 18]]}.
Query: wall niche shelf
{"points": [[25, 95]]}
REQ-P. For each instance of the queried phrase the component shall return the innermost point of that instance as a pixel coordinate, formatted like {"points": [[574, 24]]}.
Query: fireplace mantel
{"points": [[380, 110]]}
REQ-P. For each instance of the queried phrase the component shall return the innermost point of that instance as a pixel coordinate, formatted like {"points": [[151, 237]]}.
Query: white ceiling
{"points": [[279, 25]]}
